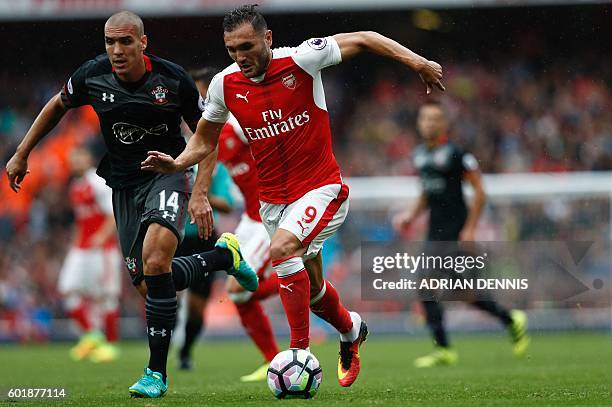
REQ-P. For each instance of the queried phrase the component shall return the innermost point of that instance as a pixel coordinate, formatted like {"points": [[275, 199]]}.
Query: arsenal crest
{"points": [[159, 93], [289, 81]]}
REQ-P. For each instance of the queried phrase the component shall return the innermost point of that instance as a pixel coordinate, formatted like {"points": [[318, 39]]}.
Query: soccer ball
{"points": [[294, 373]]}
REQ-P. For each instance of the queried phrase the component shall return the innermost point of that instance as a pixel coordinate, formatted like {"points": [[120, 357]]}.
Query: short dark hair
{"points": [[244, 14], [203, 74], [432, 102], [435, 103], [127, 17]]}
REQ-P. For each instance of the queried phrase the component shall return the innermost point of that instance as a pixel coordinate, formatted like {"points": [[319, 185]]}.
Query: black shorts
{"points": [[192, 244], [162, 200]]}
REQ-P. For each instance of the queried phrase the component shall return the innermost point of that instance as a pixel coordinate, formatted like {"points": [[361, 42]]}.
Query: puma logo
{"points": [[299, 222], [286, 287], [245, 96]]}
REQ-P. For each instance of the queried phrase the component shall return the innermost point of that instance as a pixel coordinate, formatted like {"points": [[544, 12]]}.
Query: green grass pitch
{"points": [[561, 369]]}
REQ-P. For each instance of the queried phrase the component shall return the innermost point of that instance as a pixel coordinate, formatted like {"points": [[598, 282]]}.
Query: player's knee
{"points": [[281, 249], [156, 263]]}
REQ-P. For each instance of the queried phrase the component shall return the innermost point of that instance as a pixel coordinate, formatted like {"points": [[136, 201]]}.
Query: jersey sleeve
{"points": [[192, 103], [215, 109], [317, 53], [469, 163], [235, 126], [103, 194], [74, 93]]}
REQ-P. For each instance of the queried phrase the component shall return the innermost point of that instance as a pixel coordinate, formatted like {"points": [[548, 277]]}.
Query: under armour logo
{"points": [[167, 215], [286, 287], [153, 332], [197, 256], [239, 96], [110, 98]]}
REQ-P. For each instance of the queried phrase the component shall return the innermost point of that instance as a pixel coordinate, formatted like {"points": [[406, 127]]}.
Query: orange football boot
{"points": [[348, 362]]}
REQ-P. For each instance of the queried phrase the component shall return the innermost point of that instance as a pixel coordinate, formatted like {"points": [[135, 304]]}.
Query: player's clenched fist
{"points": [[431, 74]]}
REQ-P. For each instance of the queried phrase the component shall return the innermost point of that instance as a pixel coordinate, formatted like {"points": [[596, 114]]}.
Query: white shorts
{"points": [[254, 243], [92, 272], [312, 219]]}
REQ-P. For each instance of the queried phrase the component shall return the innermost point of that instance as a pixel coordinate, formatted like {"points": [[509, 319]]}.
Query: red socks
{"points": [[111, 325], [294, 291], [257, 325], [80, 315], [267, 288], [327, 306]]}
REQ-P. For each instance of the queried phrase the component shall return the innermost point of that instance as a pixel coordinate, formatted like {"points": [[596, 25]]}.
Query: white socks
{"points": [[351, 336]]}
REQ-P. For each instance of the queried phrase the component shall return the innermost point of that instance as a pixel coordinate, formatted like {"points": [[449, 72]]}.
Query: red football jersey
{"points": [[235, 154], [92, 202], [284, 117]]}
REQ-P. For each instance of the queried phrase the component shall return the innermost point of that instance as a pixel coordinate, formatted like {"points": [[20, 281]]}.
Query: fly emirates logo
{"points": [[276, 124]]}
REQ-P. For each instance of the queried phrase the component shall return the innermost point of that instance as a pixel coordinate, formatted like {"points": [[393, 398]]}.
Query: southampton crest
{"points": [[159, 93]]}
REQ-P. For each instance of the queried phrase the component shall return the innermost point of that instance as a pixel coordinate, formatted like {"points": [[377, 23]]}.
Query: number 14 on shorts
{"points": [[170, 203]]}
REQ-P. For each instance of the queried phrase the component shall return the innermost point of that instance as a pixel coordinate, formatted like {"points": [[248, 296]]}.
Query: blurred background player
{"points": [[221, 200], [443, 167], [90, 277], [234, 153], [278, 99]]}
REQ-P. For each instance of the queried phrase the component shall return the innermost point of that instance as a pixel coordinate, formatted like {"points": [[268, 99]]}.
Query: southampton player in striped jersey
{"points": [[277, 97]]}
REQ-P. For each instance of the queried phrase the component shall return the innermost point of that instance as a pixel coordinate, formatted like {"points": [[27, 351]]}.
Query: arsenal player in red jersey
{"points": [[277, 97], [90, 277]]}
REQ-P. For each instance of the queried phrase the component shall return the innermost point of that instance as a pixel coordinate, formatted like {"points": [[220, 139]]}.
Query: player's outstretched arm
{"points": [[354, 43], [200, 145], [49, 116]]}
